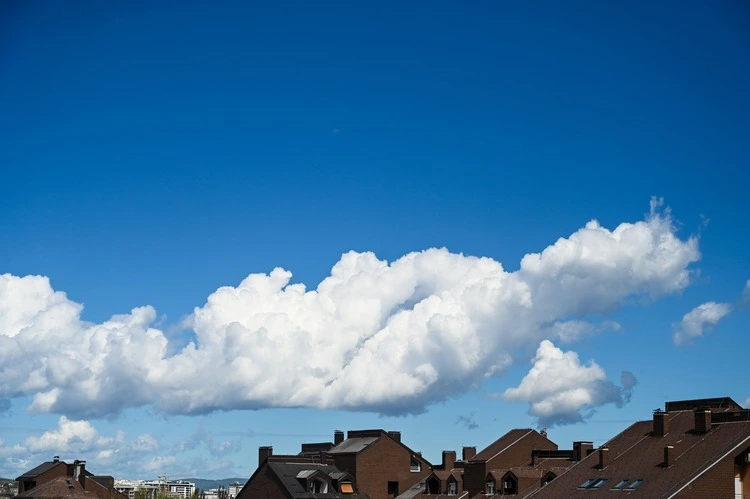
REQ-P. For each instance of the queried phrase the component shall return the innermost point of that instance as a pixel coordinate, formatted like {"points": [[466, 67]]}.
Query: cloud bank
{"points": [[696, 322], [391, 337]]}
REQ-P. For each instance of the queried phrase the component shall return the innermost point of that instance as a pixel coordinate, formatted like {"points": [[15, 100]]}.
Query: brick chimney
{"points": [[264, 453], [702, 421], [449, 459], [468, 453], [338, 437], [395, 435], [603, 457], [582, 449], [668, 455], [661, 424], [79, 472]]}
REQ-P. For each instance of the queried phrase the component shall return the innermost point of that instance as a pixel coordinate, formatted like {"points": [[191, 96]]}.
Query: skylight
{"points": [[587, 483], [599, 483], [634, 485], [621, 484]]}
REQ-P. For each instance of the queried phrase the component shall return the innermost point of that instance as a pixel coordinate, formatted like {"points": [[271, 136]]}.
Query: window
{"points": [[452, 488], [587, 483], [634, 485], [620, 484], [318, 487], [597, 484], [393, 488], [510, 486], [415, 466], [347, 488], [490, 487]]}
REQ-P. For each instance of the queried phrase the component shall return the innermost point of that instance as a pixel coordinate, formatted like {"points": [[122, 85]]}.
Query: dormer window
{"points": [[415, 465], [510, 486], [489, 488], [347, 488], [452, 488], [319, 487]]}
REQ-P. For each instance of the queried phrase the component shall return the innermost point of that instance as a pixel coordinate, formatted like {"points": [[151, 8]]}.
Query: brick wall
{"points": [[382, 462]]}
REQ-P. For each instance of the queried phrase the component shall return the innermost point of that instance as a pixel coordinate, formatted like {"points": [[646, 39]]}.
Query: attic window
{"points": [[621, 484], [634, 485], [347, 488], [489, 487], [452, 488], [587, 483], [318, 487], [415, 466]]}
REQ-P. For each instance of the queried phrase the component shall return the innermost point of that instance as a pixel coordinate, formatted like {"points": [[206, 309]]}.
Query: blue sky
{"points": [[401, 162]]}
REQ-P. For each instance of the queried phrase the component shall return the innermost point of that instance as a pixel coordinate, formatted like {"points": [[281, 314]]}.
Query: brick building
{"points": [[693, 449], [306, 475], [58, 479], [381, 463]]}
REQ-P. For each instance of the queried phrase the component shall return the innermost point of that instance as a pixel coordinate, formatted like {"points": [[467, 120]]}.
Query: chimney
{"points": [[338, 437], [702, 421], [79, 472], [55, 459], [603, 457], [661, 424], [264, 453], [668, 455], [582, 449], [449, 459], [395, 435], [468, 453]]}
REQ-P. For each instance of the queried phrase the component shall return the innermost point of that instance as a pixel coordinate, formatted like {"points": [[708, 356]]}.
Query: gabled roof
{"points": [[292, 476], [636, 454], [359, 440], [505, 442], [59, 487], [526, 472], [42, 468]]}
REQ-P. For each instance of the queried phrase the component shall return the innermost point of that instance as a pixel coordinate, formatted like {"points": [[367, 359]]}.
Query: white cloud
{"points": [[558, 387], [699, 320], [746, 293], [388, 337], [70, 435], [79, 439], [574, 330]]}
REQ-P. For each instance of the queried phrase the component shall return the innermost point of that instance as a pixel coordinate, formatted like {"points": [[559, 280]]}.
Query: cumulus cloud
{"points": [[79, 439], [391, 337], [559, 388], [699, 320]]}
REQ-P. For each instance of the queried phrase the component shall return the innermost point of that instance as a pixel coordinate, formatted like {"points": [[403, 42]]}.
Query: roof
{"points": [[59, 487], [717, 404], [290, 473], [353, 445], [42, 468], [504, 443], [635, 454], [527, 472]]}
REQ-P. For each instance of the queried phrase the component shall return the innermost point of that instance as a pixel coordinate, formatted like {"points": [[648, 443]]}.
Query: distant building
{"points": [[179, 489]]}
